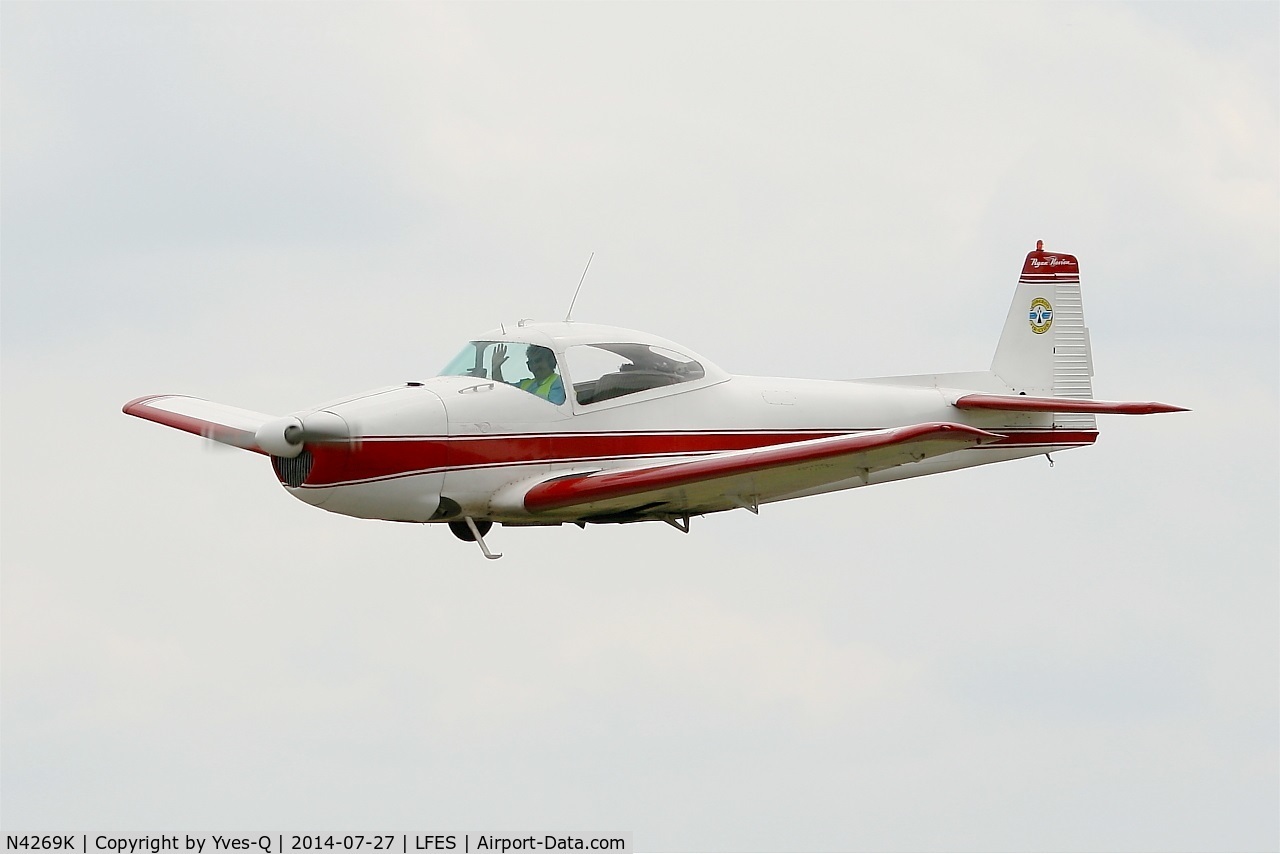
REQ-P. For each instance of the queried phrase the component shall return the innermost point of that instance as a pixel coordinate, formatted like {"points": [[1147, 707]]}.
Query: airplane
{"points": [[547, 423]]}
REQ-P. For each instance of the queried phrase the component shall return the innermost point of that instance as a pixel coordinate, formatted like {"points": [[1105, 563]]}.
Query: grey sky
{"points": [[272, 204]]}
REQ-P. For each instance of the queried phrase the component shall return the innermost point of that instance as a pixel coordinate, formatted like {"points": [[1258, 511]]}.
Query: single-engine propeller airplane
{"points": [[548, 423]]}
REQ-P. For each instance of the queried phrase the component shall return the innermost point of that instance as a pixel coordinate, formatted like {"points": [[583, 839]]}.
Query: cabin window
{"points": [[529, 367], [603, 372]]}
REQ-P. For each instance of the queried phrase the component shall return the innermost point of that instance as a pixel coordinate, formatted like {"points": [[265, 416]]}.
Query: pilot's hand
{"points": [[498, 359]]}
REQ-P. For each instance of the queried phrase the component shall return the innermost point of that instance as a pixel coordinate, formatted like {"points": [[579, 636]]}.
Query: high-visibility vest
{"points": [[541, 389]]}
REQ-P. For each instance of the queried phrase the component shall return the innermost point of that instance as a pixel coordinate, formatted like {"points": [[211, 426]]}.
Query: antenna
{"points": [[575, 293]]}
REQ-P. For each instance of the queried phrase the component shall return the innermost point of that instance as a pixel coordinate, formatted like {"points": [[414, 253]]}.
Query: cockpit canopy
{"points": [[605, 371], [599, 370]]}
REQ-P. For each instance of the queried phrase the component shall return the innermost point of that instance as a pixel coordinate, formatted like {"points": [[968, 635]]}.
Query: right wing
{"points": [[229, 425], [741, 478]]}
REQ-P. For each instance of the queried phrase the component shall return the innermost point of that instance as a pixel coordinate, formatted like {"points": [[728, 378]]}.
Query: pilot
{"points": [[545, 382]]}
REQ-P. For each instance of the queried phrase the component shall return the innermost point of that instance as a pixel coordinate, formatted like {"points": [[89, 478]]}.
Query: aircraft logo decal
{"points": [[1040, 316]]}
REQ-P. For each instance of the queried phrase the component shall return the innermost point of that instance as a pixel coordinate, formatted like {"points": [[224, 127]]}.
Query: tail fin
{"points": [[1044, 349]]}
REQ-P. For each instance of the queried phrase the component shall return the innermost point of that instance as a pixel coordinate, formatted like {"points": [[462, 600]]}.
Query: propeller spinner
{"points": [[286, 437]]}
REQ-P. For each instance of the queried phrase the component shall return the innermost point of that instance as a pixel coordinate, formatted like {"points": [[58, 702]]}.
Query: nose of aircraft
{"points": [[375, 456]]}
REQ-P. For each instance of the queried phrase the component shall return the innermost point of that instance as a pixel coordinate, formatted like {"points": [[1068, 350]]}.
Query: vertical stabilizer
{"points": [[1044, 349]]}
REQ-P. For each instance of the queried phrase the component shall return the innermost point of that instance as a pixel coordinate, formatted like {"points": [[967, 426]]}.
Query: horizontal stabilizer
{"points": [[746, 478], [226, 424], [1021, 403]]}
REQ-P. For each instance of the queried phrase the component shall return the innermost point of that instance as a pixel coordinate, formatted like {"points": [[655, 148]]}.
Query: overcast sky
{"points": [[270, 205]]}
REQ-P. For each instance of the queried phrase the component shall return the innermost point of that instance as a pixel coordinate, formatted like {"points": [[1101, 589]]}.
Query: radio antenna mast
{"points": [[575, 293]]}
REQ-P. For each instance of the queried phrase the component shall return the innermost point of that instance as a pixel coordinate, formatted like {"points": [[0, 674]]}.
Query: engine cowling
{"points": [[375, 456]]}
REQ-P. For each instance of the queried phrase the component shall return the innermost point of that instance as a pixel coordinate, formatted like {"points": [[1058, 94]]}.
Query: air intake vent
{"points": [[293, 470]]}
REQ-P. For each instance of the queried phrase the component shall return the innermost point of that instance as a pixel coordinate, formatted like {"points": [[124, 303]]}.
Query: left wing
{"points": [[229, 425], [741, 478]]}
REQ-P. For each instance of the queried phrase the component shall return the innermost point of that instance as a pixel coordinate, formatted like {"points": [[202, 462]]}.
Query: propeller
{"points": [[285, 437], [213, 446]]}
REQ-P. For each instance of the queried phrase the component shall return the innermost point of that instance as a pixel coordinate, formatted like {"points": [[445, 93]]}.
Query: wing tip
{"points": [[137, 402]]}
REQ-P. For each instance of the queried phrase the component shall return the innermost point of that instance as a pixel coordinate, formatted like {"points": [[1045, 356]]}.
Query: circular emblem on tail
{"points": [[1041, 315]]}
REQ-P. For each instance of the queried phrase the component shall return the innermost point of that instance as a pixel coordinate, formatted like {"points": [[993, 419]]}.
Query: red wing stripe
{"points": [[581, 489], [1020, 403]]}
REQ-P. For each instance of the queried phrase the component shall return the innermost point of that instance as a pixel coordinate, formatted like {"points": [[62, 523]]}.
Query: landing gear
{"points": [[471, 531]]}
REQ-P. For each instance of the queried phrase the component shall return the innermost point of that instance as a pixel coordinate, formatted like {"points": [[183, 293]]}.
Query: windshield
{"points": [[469, 362], [476, 360], [526, 366], [600, 371]]}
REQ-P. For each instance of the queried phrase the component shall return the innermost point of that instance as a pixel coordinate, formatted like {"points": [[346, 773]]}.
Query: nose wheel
{"points": [[471, 531]]}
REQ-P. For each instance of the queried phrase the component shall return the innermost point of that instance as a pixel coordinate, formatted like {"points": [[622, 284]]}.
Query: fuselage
{"points": [[447, 447]]}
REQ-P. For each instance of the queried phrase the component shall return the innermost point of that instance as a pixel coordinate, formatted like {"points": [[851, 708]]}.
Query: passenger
{"points": [[545, 382]]}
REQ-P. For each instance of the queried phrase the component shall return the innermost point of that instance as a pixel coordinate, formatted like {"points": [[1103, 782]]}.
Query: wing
{"points": [[1021, 403], [226, 424], [741, 478]]}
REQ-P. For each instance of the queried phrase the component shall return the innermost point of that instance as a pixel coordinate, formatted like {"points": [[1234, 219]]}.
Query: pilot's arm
{"points": [[496, 361], [555, 394]]}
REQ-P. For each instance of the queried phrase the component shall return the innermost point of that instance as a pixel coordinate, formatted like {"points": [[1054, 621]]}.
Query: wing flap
{"points": [[229, 425], [1021, 403], [731, 478]]}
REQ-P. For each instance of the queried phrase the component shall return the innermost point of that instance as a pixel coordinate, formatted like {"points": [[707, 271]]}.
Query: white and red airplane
{"points": [[547, 423]]}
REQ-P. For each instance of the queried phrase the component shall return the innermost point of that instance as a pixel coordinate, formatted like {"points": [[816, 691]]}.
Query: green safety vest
{"points": [[541, 389]]}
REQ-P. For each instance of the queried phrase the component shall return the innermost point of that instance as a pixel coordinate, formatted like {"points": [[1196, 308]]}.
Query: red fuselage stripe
{"points": [[384, 458], [377, 458]]}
